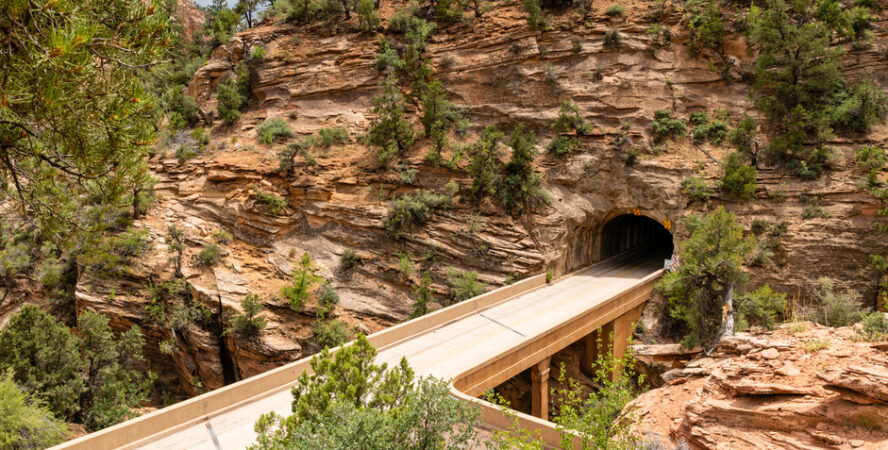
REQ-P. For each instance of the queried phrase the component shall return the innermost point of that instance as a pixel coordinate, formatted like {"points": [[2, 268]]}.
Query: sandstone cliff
{"points": [[801, 387]]}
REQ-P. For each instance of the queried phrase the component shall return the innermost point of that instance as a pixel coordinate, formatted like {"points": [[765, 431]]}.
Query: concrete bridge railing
{"points": [[151, 426]]}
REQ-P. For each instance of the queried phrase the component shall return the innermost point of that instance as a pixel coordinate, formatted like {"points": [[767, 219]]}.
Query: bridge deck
{"points": [[451, 349]]}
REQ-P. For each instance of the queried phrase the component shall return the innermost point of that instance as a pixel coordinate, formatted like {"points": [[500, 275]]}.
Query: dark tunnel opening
{"points": [[628, 232]]}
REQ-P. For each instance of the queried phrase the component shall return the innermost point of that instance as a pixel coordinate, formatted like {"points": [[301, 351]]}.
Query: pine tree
{"points": [[390, 130], [701, 291], [75, 118]]}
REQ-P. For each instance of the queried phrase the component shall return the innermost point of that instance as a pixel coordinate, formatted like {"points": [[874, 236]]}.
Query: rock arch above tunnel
{"points": [[629, 232]]}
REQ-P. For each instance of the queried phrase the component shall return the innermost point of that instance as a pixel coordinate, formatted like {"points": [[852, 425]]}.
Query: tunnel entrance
{"points": [[629, 232]]}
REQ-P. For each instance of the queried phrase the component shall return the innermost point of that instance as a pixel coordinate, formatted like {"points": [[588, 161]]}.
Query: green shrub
{"points": [[665, 127], [274, 129], [739, 178], [875, 327], [613, 38], [717, 132], [184, 153], [248, 323], [390, 130], [350, 259], [743, 136], [836, 309], [536, 18], [304, 277], [699, 118], [330, 136], [89, 374], [330, 333], [484, 162], [258, 53], [368, 17], [873, 159], [327, 299], [520, 187], [229, 100], [569, 119], [705, 23], [405, 264], [410, 210], [423, 295], [615, 10], [696, 187], [762, 307], [439, 115], [861, 107], [209, 256], [26, 422], [463, 285], [562, 145], [181, 109], [275, 203], [223, 236]]}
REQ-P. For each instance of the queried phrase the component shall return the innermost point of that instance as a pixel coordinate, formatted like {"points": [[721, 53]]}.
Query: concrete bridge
{"points": [[478, 344]]}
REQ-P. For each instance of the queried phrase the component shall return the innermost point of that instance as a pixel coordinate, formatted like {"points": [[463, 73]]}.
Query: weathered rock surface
{"points": [[805, 398]]}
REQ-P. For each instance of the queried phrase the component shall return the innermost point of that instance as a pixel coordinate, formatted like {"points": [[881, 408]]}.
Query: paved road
{"points": [[450, 349]]}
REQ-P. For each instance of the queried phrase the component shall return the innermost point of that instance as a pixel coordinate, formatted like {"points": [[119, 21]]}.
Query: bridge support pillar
{"points": [[540, 395], [596, 343], [623, 328]]}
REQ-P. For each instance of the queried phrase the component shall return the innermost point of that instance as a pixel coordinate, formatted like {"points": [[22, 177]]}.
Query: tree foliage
{"points": [[91, 375], [351, 402], [701, 289], [26, 422], [75, 118], [390, 130], [520, 187], [803, 91]]}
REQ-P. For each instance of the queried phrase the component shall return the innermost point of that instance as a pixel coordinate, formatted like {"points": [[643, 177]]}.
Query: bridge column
{"points": [[623, 328], [595, 343], [540, 391]]}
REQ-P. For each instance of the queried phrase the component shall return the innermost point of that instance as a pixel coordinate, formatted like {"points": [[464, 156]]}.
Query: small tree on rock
{"points": [[701, 291]]}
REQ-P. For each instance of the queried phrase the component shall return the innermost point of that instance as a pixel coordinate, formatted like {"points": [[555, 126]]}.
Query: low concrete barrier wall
{"points": [[162, 422]]}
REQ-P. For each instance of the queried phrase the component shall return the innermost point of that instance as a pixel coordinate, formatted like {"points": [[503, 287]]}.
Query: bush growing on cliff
{"points": [[705, 23], [390, 130], [351, 402], [330, 333], [739, 179], [665, 127], [275, 203], [273, 129], [873, 159], [484, 163], [519, 189], [711, 265], [536, 18], [25, 421], [422, 295], [743, 136], [248, 323], [439, 116], [368, 17], [303, 279], [696, 187], [209, 255], [463, 285], [615, 10], [230, 101], [410, 210], [350, 259]]}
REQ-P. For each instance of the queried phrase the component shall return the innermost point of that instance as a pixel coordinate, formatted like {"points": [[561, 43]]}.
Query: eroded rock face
{"points": [[816, 388], [499, 72]]}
